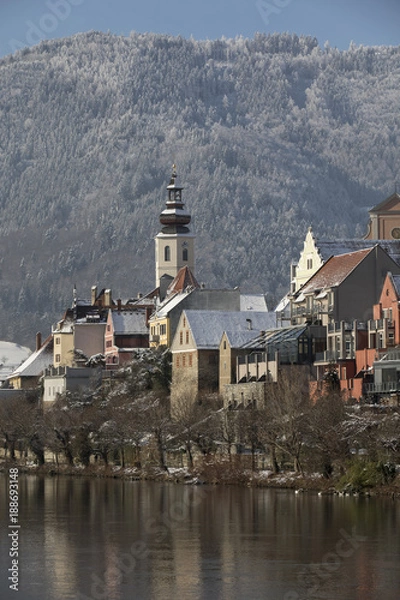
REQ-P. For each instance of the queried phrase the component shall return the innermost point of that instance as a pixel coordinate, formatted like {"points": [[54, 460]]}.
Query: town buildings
{"points": [[341, 312]]}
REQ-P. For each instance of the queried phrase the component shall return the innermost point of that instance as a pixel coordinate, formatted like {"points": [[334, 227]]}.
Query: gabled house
{"points": [[344, 288], [126, 330], [27, 376], [80, 333], [317, 252], [340, 296], [195, 347], [164, 321], [11, 357]]}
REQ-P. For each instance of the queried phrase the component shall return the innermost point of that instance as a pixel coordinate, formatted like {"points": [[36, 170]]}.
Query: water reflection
{"points": [[107, 539]]}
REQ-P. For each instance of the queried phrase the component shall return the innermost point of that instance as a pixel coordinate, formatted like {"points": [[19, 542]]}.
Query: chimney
{"points": [[119, 304], [38, 341], [107, 298], [139, 296], [93, 294]]}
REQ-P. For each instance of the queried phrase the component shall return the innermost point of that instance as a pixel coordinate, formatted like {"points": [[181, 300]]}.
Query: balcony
{"points": [[390, 354], [388, 387], [329, 356], [154, 338]]}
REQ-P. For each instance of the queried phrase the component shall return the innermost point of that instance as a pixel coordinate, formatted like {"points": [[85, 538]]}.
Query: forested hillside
{"points": [[270, 135]]}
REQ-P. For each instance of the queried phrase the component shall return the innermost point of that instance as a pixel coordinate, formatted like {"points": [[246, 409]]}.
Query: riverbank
{"points": [[214, 474]]}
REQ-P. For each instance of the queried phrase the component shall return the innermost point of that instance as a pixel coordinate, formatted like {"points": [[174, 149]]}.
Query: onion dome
{"points": [[174, 218]]}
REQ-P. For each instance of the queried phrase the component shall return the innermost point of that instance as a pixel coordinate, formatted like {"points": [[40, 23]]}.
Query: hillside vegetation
{"points": [[270, 135]]}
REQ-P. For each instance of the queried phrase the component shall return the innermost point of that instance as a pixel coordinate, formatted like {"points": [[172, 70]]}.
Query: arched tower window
{"points": [[185, 254], [167, 253]]}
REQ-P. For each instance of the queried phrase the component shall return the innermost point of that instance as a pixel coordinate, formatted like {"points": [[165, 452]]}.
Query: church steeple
{"points": [[174, 218], [175, 242]]}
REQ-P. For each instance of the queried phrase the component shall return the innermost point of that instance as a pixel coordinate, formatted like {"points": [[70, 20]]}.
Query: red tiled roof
{"points": [[184, 279], [335, 270]]}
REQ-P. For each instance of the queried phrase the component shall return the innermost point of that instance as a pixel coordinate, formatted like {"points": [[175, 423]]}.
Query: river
{"points": [[107, 539]]}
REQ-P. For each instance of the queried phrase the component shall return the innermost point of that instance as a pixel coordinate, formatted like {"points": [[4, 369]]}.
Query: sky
{"points": [[368, 22]]}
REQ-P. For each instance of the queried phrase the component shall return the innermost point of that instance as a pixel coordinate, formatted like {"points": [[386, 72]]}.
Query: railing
{"points": [[257, 357], [388, 387], [327, 356], [54, 371], [375, 324], [389, 354], [348, 326]]}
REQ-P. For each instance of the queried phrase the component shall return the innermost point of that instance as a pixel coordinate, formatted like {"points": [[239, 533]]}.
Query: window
{"points": [[190, 360], [163, 329], [181, 338], [183, 360], [224, 344], [177, 361], [185, 255], [187, 337], [309, 263], [58, 340], [108, 327], [167, 253], [109, 344], [58, 358]]}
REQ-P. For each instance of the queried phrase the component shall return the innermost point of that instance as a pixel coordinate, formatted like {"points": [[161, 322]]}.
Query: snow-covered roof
{"points": [[126, 323], [238, 338], [396, 283], [11, 356], [283, 304], [207, 326], [328, 248], [254, 302], [36, 363], [166, 307]]}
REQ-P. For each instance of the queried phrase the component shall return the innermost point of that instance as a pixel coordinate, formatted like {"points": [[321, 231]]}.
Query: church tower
{"points": [[175, 242]]}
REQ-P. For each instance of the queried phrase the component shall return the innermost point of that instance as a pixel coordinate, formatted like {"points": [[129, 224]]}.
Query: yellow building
{"points": [[164, 320]]}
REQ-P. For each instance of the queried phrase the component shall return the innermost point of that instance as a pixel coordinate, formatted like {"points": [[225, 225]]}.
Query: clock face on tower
{"points": [[396, 233]]}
